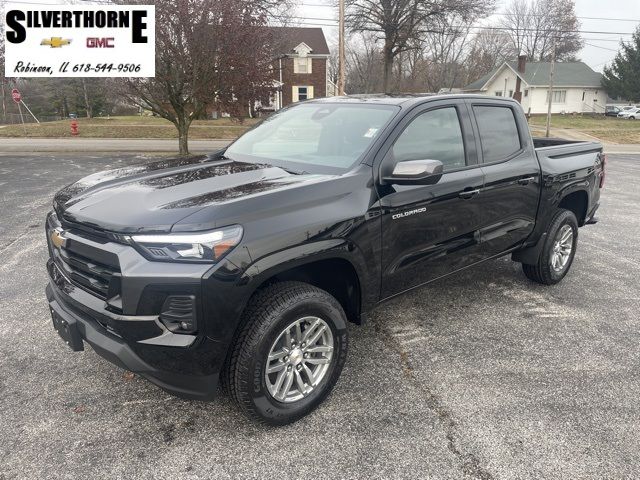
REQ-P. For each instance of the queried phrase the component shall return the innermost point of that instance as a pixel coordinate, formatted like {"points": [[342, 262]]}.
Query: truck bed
{"points": [[564, 156], [542, 142]]}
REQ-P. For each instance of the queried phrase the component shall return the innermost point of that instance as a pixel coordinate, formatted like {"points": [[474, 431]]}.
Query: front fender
{"points": [[278, 262]]}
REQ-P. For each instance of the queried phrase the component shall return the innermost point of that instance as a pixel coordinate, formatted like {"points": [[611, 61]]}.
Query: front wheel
{"points": [[290, 353], [558, 250]]}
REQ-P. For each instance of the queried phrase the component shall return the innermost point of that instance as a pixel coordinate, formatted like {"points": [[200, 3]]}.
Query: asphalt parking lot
{"points": [[484, 375]]}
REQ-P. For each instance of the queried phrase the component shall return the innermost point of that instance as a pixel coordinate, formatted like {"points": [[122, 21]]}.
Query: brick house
{"points": [[300, 65]]}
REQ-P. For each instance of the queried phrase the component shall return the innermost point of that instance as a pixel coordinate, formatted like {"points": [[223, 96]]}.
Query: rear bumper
{"points": [[179, 381]]}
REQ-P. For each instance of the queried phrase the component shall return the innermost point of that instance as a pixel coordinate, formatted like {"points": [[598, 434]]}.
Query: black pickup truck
{"points": [[244, 266]]}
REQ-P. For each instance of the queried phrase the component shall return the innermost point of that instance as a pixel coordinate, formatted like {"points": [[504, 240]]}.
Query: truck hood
{"points": [[160, 197]]}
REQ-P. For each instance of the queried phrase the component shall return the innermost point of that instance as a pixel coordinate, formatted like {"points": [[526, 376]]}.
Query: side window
{"points": [[433, 135], [498, 132]]}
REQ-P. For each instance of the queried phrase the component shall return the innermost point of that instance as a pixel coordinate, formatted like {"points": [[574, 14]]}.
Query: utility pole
{"points": [[341, 55], [87, 105], [4, 104], [551, 72]]}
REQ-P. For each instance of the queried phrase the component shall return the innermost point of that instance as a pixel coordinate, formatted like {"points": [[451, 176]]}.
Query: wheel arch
{"points": [[578, 203], [337, 267]]}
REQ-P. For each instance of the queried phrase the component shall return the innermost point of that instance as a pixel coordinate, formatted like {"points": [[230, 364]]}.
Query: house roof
{"points": [[288, 38], [566, 74]]}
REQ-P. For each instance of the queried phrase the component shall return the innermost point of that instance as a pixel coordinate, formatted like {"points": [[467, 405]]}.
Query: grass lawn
{"points": [[605, 128], [608, 129], [129, 127]]}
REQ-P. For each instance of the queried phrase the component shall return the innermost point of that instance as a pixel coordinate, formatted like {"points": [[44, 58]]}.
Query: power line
{"points": [[590, 32], [478, 29], [603, 48], [506, 14], [608, 19]]}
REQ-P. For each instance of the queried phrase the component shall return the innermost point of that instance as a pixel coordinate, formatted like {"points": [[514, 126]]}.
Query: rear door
{"points": [[511, 170], [430, 230]]}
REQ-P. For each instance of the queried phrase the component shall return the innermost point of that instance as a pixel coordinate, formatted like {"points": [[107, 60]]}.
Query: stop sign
{"points": [[16, 95]]}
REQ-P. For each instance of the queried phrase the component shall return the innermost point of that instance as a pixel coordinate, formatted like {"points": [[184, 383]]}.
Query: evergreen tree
{"points": [[622, 78]]}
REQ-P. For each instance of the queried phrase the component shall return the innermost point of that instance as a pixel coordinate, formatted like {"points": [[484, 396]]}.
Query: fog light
{"points": [[179, 313]]}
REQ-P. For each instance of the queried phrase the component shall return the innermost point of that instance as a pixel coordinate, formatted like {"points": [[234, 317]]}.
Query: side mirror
{"points": [[415, 172]]}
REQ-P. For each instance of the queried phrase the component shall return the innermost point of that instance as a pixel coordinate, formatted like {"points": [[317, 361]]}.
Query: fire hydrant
{"points": [[74, 128]]}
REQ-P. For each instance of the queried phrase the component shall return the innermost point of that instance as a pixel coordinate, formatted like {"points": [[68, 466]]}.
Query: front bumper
{"points": [[114, 349], [113, 298], [119, 315]]}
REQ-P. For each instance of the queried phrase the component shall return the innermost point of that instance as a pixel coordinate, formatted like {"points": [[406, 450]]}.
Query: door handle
{"points": [[526, 181], [468, 193]]}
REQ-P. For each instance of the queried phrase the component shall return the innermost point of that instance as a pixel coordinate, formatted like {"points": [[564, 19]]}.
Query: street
{"points": [[483, 375]]}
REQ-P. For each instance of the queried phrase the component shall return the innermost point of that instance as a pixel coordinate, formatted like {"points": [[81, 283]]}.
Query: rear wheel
{"points": [[290, 353], [558, 251]]}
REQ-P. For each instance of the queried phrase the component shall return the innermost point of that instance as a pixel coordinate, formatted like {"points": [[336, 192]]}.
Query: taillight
{"points": [[603, 159]]}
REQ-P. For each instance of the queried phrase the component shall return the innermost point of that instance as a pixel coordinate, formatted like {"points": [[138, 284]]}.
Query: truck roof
{"points": [[401, 98]]}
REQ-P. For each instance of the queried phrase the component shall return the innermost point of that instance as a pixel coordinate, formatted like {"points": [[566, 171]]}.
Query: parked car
{"points": [[612, 111], [246, 265], [630, 114]]}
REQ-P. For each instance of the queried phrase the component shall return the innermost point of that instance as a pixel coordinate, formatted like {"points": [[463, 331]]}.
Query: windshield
{"points": [[325, 137]]}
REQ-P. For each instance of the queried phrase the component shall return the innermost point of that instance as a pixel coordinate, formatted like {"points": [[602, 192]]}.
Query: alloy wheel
{"points": [[562, 248], [299, 359]]}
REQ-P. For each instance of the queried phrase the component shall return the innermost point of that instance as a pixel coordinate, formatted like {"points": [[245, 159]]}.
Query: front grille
{"points": [[85, 264], [87, 273]]}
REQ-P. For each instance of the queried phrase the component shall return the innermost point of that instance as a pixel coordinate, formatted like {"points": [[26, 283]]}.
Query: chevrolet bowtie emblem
{"points": [[55, 42], [57, 239]]}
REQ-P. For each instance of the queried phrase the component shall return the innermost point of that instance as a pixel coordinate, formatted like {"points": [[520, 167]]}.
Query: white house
{"points": [[576, 87]]}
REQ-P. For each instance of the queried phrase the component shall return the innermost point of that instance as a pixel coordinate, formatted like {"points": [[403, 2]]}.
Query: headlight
{"points": [[198, 247]]}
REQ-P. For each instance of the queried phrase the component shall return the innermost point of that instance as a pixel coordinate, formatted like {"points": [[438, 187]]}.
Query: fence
{"points": [[14, 118]]}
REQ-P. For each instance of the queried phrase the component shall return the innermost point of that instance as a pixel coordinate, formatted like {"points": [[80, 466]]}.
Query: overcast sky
{"points": [[598, 51]]}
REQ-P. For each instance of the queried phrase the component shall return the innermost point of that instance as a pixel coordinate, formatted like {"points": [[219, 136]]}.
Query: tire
{"points": [[270, 312], [544, 271]]}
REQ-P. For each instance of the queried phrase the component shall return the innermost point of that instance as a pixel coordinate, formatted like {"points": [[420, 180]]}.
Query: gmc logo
{"points": [[94, 42]]}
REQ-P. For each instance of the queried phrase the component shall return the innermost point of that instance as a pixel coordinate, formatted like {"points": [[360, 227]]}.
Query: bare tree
{"points": [[399, 23], [487, 50], [533, 25], [364, 65], [210, 54], [444, 51]]}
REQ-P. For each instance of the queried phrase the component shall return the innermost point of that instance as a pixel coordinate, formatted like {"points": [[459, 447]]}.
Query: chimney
{"points": [[522, 65]]}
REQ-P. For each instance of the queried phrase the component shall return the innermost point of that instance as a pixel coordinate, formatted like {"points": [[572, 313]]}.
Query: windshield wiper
{"points": [[219, 155]]}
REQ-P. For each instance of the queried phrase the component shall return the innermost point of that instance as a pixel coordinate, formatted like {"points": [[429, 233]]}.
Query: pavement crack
{"points": [[469, 463]]}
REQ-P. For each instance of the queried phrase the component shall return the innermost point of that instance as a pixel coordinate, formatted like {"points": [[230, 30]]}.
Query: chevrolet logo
{"points": [[57, 239], [55, 42]]}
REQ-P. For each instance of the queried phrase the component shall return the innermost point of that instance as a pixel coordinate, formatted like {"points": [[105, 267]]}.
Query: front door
{"points": [[431, 230]]}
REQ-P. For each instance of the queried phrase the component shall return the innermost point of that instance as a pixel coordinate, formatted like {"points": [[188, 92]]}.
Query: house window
{"points": [[526, 93], [498, 93], [559, 96], [510, 93], [302, 93], [302, 65]]}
